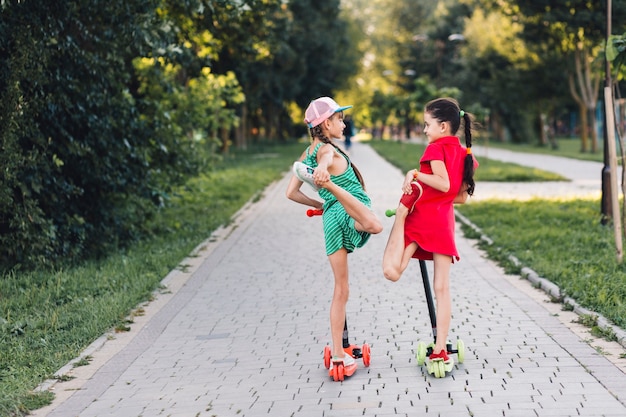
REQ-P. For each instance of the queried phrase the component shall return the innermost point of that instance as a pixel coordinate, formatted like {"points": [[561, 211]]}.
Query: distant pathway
{"points": [[585, 176]]}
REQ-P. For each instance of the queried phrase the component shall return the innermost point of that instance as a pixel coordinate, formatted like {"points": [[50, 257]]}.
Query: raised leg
{"points": [[396, 257], [365, 220]]}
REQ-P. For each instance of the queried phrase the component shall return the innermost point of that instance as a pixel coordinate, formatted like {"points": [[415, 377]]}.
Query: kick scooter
{"points": [[436, 367], [338, 372]]}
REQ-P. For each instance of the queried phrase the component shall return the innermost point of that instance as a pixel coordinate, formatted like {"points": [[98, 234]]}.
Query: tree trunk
{"points": [[496, 123], [585, 92], [224, 137], [271, 115], [594, 130], [584, 128], [542, 126], [241, 130]]}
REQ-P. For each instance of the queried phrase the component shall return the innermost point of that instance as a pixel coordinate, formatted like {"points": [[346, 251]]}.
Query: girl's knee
{"points": [[392, 274], [373, 226], [377, 228], [341, 294], [441, 289]]}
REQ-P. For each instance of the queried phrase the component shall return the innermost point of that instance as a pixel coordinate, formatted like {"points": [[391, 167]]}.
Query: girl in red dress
{"points": [[424, 229]]}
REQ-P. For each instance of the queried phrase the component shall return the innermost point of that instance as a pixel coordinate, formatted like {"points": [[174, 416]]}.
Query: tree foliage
{"points": [[70, 121], [106, 106], [567, 35], [507, 56], [92, 141]]}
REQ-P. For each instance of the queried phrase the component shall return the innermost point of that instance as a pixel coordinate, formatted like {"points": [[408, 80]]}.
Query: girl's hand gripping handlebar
{"points": [[314, 212]]}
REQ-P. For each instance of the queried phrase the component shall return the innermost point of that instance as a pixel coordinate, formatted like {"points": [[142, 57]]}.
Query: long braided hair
{"points": [[316, 132], [448, 110]]}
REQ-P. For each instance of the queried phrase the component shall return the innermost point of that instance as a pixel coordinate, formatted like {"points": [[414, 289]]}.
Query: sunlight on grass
{"points": [[567, 147], [406, 157], [563, 241]]}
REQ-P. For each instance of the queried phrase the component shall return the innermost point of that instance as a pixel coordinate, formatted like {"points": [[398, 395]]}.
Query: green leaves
{"points": [[91, 141], [616, 46]]}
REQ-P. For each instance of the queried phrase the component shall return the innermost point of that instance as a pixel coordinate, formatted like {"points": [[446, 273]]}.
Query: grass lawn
{"points": [[563, 241]]}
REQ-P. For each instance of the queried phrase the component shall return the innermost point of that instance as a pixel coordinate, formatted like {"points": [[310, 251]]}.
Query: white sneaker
{"points": [[347, 360], [305, 174], [349, 365]]}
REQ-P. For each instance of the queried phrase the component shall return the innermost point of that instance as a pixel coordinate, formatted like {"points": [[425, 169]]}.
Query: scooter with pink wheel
{"points": [[338, 372]]}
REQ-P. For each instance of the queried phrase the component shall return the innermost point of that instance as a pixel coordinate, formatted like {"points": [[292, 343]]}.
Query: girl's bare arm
{"points": [[295, 194], [438, 180]]}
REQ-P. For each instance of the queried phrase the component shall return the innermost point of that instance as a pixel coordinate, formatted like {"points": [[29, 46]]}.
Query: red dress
{"points": [[431, 224]]}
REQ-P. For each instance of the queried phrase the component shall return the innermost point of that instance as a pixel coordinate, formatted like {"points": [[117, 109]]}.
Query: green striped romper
{"points": [[339, 231]]}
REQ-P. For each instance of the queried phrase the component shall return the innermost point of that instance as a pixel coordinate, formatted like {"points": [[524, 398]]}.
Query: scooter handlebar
{"points": [[314, 212]]}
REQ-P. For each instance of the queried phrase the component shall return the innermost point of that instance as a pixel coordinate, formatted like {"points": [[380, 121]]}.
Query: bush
{"points": [[89, 152]]}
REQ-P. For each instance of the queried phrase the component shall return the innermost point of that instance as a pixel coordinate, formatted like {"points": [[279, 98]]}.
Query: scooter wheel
{"points": [[460, 347], [327, 356], [442, 369], [421, 353], [337, 372], [340, 373], [367, 354]]}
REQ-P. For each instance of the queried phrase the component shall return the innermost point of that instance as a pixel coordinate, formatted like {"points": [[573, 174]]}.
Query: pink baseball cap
{"points": [[321, 109]]}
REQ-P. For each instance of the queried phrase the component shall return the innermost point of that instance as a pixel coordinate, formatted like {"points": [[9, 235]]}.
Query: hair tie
{"points": [[461, 113], [469, 151]]}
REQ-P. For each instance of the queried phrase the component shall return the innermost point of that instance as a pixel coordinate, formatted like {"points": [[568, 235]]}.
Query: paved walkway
{"points": [[241, 329]]}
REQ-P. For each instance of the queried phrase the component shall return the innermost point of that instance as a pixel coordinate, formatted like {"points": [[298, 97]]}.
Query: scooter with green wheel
{"points": [[437, 367]]}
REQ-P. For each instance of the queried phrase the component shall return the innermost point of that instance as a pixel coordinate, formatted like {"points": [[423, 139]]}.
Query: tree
{"points": [[326, 58], [574, 28], [616, 54], [91, 152], [73, 127], [249, 34], [281, 53], [498, 73], [182, 90]]}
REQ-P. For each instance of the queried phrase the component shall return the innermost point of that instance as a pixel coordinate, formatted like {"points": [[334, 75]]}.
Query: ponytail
{"points": [[447, 110], [468, 169]]}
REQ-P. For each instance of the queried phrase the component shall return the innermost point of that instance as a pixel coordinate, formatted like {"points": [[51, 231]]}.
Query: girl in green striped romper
{"points": [[347, 217]]}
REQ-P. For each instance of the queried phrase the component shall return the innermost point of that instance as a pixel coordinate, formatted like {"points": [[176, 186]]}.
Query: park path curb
{"points": [[111, 342]]}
